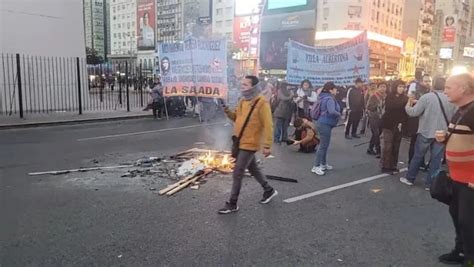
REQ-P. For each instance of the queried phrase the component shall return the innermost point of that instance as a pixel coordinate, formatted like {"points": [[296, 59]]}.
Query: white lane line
{"points": [[147, 132], [338, 187]]}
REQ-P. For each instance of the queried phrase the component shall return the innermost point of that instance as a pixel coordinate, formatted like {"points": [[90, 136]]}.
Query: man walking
{"points": [[355, 105], [254, 107], [434, 112]]}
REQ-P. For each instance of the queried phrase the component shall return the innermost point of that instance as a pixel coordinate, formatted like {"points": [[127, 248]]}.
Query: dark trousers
{"points": [[353, 122], [157, 109], [391, 147], [462, 213], [246, 160], [376, 130], [280, 133], [411, 150]]}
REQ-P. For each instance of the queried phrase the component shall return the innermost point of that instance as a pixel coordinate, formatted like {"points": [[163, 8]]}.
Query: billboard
{"points": [[468, 52], [195, 67], [449, 29], [274, 46], [446, 53], [246, 35], [145, 24], [289, 21], [341, 64], [275, 4]]}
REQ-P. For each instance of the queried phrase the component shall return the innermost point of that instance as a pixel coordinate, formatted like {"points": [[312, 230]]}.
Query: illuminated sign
{"points": [[468, 51], [347, 34], [274, 4], [248, 7]]}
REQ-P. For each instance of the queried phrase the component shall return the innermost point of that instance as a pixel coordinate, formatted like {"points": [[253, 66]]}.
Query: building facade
{"points": [[123, 33], [169, 21], [338, 21], [223, 18], [94, 26], [424, 53]]}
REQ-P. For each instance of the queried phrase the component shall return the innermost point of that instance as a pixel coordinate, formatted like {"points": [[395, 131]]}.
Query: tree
{"points": [[93, 57]]}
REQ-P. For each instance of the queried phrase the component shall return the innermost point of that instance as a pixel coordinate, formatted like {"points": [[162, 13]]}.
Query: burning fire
{"points": [[216, 161]]}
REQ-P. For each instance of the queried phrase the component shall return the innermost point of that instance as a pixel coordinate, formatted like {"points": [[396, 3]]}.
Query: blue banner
{"points": [[341, 64], [194, 68]]}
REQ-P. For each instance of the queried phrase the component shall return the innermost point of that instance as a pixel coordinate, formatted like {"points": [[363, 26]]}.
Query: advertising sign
{"points": [[248, 7], [449, 30], [289, 21], [468, 51], [446, 53], [145, 24], [274, 4], [341, 64], [274, 46], [194, 67], [246, 35]]}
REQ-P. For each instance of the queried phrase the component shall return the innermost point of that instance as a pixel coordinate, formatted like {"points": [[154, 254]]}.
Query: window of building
{"points": [[354, 11], [228, 23], [128, 25], [228, 11], [219, 24], [124, 43], [326, 13], [325, 27], [219, 11], [325, 2], [219, 1]]}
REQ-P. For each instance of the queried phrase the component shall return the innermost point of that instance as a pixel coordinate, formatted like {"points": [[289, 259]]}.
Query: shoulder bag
{"points": [[236, 139]]}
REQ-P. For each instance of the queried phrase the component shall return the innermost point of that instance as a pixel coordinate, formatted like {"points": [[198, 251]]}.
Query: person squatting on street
{"points": [[355, 106], [375, 110], [326, 112], [309, 139], [260, 126], [282, 113], [460, 159], [305, 97], [392, 121], [434, 112]]}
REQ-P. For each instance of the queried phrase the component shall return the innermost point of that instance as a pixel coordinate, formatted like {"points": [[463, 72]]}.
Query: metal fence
{"points": [[38, 84]]}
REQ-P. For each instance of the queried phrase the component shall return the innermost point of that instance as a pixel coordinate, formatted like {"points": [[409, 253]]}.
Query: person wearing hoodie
{"points": [[305, 97], [375, 109], [329, 115], [392, 121], [282, 113], [258, 130]]}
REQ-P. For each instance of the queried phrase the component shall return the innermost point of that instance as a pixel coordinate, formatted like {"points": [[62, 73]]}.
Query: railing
{"points": [[38, 84]]}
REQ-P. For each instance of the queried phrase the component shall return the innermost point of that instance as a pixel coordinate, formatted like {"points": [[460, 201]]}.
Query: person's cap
{"points": [[329, 86], [359, 80]]}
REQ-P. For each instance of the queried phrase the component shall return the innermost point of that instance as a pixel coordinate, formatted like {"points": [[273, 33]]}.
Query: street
{"points": [[101, 218]]}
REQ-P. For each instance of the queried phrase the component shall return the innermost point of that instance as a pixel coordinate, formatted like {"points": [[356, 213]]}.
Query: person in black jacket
{"points": [[355, 105], [392, 120]]}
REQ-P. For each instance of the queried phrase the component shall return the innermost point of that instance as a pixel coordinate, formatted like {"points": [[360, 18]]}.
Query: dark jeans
{"points": [[280, 133], [411, 151], [353, 122], [324, 131], [423, 145], [461, 210], [391, 147], [157, 109], [376, 130], [246, 160]]}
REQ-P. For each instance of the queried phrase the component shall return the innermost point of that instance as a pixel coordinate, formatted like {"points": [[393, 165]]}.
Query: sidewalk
{"points": [[35, 120]]}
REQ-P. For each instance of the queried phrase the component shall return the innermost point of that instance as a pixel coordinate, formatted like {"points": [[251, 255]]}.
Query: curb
{"points": [[69, 122]]}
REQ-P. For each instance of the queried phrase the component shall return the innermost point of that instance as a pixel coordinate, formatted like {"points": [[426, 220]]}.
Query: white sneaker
{"points": [[404, 180], [326, 167], [318, 170]]}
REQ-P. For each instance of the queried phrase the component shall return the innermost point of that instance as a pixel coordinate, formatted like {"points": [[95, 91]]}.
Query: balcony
{"points": [[426, 43]]}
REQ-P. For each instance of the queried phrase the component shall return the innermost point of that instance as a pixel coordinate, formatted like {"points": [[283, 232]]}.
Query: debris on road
{"points": [[78, 170]]}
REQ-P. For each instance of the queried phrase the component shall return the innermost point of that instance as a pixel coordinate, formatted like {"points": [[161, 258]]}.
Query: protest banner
{"points": [[341, 64], [194, 68]]}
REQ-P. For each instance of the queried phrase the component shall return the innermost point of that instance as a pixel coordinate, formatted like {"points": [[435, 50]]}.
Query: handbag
{"points": [[236, 139], [442, 187]]}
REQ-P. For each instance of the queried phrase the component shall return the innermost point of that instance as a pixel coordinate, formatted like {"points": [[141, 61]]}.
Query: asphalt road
{"points": [[102, 219]]}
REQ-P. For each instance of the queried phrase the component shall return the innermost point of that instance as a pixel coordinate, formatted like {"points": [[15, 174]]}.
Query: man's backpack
{"points": [[316, 110]]}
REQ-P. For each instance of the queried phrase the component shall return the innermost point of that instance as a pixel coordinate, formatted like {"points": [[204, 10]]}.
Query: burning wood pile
{"points": [[197, 164]]}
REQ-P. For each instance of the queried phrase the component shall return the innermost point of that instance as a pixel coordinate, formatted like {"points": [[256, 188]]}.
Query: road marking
{"points": [[338, 187], [147, 132]]}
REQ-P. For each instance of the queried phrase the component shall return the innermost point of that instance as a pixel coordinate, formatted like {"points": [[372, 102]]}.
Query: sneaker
{"points": [[370, 152], [318, 170], [268, 195], [427, 188], [326, 167], [229, 208], [452, 258], [377, 155], [404, 180], [356, 136]]}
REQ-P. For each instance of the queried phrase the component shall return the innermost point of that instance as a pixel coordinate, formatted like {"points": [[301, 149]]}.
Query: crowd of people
{"points": [[438, 120]]}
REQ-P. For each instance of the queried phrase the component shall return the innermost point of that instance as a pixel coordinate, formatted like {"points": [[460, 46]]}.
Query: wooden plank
{"points": [[80, 170], [186, 184], [180, 182]]}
